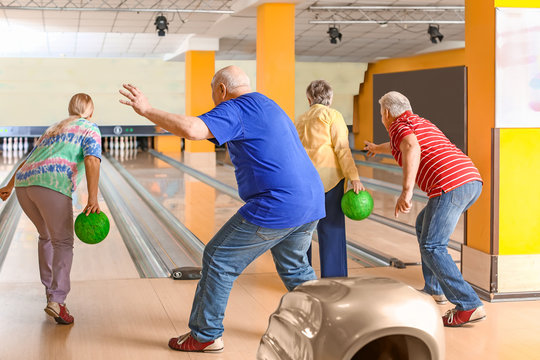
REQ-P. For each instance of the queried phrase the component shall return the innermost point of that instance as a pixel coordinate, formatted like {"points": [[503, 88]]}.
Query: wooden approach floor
{"points": [[134, 318]]}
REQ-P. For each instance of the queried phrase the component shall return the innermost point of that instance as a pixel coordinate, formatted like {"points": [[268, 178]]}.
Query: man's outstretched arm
{"points": [[189, 127]]}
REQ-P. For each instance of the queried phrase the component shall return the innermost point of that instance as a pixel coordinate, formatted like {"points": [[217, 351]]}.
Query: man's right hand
{"points": [[404, 203], [372, 149], [135, 99]]}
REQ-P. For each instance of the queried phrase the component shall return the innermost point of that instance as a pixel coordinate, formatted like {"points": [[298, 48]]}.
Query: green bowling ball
{"points": [[93, 228], [357, 206]]}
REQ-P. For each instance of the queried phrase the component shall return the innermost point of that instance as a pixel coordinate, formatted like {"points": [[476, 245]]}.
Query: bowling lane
{"points": [[368, 233], [202, 209], [106, 260], [198, 206]]}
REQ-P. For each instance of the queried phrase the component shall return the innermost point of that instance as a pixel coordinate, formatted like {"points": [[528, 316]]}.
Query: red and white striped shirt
{"points": [[443, 167]]}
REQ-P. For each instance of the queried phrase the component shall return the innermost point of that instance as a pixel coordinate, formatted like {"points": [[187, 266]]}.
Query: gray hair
{"points": [[396, 103], [232, 77], [320, 92]]}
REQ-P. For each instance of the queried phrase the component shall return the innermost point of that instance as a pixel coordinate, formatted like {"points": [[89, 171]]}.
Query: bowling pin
{"points": [[4, 145], [10, 144], [122, 141], [25, 146], [9, 155]]}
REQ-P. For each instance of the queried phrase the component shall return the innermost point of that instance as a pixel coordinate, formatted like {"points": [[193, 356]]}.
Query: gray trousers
{"points": [[52, 214]]}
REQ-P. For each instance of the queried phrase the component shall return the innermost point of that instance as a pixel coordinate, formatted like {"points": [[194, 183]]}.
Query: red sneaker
{"points": [[187, 342], [455, 317], [59, 312]]}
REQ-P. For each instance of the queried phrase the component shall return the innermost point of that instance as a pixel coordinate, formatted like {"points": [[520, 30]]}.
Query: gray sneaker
{"points": [[440, 299]]}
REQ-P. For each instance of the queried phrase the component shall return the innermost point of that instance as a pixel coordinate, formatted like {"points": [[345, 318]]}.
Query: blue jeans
{"points": [[434, 225], [331, 234], [236, 245]]}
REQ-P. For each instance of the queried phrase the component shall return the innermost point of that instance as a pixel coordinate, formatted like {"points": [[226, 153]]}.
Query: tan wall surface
{"points": [[345, 79], [35, 92]]}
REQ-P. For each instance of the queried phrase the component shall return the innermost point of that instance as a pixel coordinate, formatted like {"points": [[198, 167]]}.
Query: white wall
{"points": [[37, 91], [345, 79]]}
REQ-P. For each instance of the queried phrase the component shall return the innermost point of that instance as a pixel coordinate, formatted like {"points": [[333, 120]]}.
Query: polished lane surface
{"points": [[200, 207], [387, 241]]}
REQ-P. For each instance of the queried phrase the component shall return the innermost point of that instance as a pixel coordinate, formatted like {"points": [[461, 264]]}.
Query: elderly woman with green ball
{"points": [[44, 184], [324, 134]]}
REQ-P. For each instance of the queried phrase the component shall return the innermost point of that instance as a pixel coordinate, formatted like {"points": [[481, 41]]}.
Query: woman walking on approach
{"points": [[44, 185]]}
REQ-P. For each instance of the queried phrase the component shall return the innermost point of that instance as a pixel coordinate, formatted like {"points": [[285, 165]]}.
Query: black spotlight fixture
{"points": [[434, 33], [161, 25], [335, 35]]}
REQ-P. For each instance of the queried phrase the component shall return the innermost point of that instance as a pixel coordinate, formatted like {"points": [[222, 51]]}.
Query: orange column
{"points": [[200, 68], [275, 54], [167, 143], [199, 197], [480, 58]]}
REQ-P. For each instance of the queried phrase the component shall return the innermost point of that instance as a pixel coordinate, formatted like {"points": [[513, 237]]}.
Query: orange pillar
{"points": [[502, 256], [480, 59], [167, 143], [199, 197], [275, 54], [200, 68]]}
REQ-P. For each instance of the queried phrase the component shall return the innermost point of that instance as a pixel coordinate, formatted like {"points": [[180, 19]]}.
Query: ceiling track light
{"points": [[162, 25], [434, 33], [334, 34]]}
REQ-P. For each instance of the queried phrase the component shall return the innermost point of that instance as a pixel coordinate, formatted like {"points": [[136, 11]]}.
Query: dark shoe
{"points": [[455, 317], [59, 312], [187, 342]]}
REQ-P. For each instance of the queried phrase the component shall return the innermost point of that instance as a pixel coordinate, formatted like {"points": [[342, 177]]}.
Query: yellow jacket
{"points": [[324, 134]]}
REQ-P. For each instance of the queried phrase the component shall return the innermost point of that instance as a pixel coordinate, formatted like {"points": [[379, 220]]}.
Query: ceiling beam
{"points": [[382, 22], [390, 8], [167, 10]]}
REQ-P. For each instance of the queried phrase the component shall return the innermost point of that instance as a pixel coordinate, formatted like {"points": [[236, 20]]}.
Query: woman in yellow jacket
{"points": [[324, 134]]}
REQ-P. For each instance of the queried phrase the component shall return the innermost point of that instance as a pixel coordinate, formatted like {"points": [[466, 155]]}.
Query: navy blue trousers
{"points": [[331, 234]]}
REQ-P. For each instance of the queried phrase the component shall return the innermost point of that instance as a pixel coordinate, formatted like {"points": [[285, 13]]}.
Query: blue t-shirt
{"points": [[275, 176]]}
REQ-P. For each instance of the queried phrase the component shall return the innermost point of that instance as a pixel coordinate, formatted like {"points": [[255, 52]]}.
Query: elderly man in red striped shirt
{"points": [[452, 183]]}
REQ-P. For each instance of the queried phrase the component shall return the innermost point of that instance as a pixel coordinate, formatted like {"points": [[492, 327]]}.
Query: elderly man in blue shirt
{"points": [[283, 193]]}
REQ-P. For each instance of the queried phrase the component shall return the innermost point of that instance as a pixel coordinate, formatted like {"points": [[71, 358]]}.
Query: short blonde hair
{"points": [[320, 92], [395, 102]]}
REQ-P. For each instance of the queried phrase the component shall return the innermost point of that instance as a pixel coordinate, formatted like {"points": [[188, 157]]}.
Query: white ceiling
{"points": [[91, 34]]}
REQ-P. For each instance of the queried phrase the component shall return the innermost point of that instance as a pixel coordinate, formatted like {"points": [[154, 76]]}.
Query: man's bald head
{"points": [[229, 82]]}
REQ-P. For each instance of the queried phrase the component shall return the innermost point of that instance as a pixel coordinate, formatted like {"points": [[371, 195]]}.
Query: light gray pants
{"points": [[52, 214]]}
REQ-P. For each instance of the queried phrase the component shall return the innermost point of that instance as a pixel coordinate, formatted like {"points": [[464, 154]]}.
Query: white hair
{"points": [[320, 92], [232, 77], [395, 102]]}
